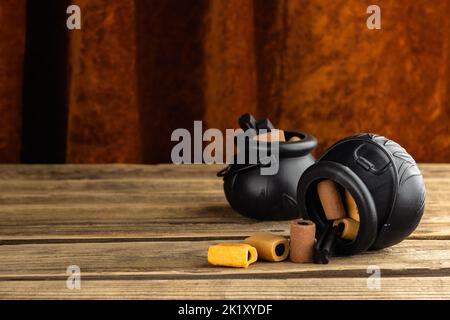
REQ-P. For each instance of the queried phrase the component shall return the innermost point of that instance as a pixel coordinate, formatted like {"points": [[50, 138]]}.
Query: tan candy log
{"points": [[331, 200], [351, 228], [238, 255], [273, 135], [303, 234], [270, 247], [352, 208]]}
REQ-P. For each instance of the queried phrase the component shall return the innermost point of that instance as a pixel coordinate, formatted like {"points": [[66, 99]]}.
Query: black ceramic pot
{"points": [[383, 179], [270, 197]]}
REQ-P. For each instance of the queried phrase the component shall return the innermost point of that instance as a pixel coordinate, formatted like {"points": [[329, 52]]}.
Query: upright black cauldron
{"points": [[268, 197]]}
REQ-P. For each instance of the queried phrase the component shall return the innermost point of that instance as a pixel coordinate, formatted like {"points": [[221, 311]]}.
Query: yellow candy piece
{"points": [[270, 247], [238, 255], [295, 139], [351, 228], [352, 208]]}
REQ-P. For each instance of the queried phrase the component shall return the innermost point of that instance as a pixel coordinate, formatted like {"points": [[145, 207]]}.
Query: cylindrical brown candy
{"points": [[270, 247], [331, 200], [303, 234]]}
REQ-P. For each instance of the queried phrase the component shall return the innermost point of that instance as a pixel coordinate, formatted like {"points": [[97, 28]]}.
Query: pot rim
{"points": [[289, 149], [342, 175]]}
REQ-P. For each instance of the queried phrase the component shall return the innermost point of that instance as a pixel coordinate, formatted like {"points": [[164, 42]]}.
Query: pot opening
{"points": [[348, 220], [344, 179]]}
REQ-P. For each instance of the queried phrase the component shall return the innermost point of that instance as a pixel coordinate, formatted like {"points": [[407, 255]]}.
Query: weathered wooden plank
{"points": [[143, 232], [85, 178], [107, 171], [178, 218], [122, 216], [187, 260], [435, 187], [260, 289], [113, 185], [93, 202], [437, 193], [131, 171], [127, 221], [436, 169], [125, 216], [30, 200]]}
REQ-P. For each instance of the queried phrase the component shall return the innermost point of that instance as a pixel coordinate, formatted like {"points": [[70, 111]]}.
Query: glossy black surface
{"points": [[383, 179]]}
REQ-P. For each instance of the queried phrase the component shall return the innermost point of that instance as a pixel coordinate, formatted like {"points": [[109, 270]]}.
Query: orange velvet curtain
{"points": [[12, 50], [139, 69]]}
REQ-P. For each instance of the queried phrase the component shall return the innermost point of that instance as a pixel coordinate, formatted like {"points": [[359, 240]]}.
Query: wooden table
{"points": [[142, 232]]}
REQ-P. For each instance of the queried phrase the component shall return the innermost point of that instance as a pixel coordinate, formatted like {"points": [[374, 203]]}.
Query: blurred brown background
{"points": [[114, 91]]}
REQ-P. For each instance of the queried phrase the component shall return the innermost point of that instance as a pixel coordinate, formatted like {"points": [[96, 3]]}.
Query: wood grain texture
{"points": [[145, 202], [127, 216], [240, 289], [188, 259], [103, 122], [433, 171], [323, 72], [112, 171], [12, 51], [142, 232]]}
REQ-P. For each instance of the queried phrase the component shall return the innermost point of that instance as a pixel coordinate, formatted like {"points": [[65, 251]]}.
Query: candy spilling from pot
{"points": [[364, 193], [302, 245]]}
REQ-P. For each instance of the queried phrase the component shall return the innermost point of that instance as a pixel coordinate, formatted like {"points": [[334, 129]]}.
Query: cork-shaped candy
{"points": [[330, 198], [303, 233], [238, 255], [294, 139], [270, 247], [274, 135], [352, 208], [350, 230]]}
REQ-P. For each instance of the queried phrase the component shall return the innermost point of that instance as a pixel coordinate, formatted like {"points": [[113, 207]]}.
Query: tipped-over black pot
{"points": [[383, 179]]}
